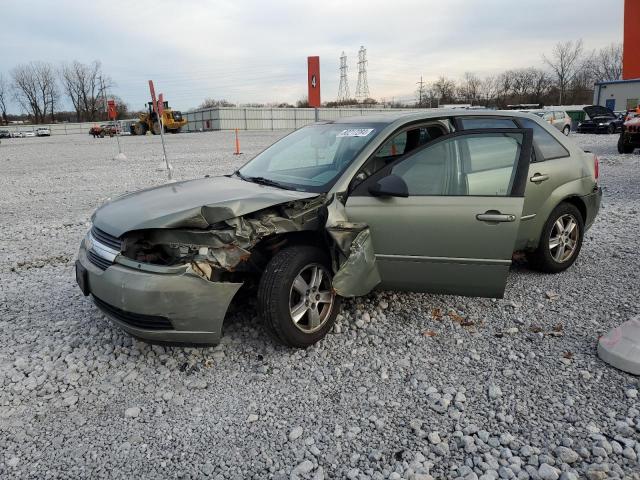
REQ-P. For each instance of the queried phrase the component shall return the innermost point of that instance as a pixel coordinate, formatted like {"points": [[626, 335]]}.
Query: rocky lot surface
{"points": [[407, 386]]}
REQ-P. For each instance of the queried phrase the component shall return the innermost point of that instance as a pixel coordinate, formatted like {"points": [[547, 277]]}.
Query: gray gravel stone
{"points": [[67, 373]]}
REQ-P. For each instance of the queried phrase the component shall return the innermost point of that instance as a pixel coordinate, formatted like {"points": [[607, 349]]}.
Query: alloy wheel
{"points": [[311, 299], [563, 239]]}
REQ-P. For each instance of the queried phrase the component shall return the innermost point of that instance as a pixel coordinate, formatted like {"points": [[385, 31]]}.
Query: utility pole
{"points": [[420, 91]]}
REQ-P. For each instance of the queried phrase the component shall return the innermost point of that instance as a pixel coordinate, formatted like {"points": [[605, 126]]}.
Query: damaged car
{"points": [[434, 201]]}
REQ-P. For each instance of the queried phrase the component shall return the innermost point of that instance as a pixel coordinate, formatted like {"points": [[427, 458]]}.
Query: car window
{"points": [[559, 115], [471, 123], [481, 164], [548, 146]]}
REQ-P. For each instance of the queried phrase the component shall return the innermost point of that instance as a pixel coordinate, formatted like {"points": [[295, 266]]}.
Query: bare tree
{"points": [[606, 64], [35, 89], [541, 85], [4, 99], [444, 89], [85, 85], [489, 89], [213, 103], [25, 89], [565, 62], [45, 75], [469, 87]]}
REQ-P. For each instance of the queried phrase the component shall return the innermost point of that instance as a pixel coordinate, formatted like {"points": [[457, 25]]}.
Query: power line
{"points": [[343, 89], [362, 89]]}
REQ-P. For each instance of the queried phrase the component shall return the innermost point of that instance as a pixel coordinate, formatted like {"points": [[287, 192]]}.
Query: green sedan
{"points": [[435, 201]]}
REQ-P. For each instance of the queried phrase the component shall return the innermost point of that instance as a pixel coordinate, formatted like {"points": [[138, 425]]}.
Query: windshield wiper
{"points": [[261, 181]]}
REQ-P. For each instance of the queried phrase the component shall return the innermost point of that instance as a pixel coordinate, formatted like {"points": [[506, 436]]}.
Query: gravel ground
{"points": [[407, 386]]}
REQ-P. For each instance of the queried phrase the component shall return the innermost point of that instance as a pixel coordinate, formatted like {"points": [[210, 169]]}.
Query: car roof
{"points": [[406, 117]]}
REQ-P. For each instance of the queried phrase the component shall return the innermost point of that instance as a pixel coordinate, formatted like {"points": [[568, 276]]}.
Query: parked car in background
{"points": [[557, 118], [5, 134], [43, 132], [30, 133], [600, 120], [630, 136], [16, 134], [435, 201]]}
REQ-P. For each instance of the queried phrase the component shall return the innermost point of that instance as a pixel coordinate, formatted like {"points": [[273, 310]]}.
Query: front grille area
{"points": [[98, 261], [106, 239], [138, 320]]}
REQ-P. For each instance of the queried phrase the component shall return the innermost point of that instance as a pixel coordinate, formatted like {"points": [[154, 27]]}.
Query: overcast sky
{"points": [[255, 51]]}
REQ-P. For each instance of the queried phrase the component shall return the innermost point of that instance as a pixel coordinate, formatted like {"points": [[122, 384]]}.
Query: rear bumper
{"points": [[164, 307], [592, 202]]}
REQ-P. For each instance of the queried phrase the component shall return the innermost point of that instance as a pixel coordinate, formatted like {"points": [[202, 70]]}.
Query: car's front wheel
{"points": [[560, 241], [295, 298], [611, 129], [624, 147]]}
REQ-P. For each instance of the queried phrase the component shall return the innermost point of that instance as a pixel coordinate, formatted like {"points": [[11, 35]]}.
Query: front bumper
{"points": [[162, 306], [592, 202]]}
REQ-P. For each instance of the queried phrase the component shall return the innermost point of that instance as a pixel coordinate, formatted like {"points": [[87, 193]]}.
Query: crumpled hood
{"points": [[189, 204]]}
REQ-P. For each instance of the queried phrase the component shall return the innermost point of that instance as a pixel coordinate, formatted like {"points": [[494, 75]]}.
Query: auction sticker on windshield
{"points": [[355, 132]]}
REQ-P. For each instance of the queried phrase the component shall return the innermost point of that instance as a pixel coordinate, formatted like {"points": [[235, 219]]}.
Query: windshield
{"points": [[310, 159]]}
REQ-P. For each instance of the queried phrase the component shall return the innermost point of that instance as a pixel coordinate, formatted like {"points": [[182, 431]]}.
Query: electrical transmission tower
{"points": [[362, 89], [343, 89], [421, 92]]}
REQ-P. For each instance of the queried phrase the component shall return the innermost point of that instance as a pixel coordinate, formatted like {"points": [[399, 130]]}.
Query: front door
{"points": [[455, 230]]}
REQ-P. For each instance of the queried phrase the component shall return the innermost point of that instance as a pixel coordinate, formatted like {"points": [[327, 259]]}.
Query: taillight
{"points": [[596, 166]]}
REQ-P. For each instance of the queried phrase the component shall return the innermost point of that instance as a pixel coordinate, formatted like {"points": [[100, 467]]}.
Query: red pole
{"points": [[237, 152]]}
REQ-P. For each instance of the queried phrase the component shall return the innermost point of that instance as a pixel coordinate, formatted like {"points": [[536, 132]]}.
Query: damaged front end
{"points": [[176, 284], [228, 250], [237, 248]]}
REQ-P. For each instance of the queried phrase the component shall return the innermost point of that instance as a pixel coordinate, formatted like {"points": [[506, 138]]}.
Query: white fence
{"points": [[230, 118], [61, 128]]}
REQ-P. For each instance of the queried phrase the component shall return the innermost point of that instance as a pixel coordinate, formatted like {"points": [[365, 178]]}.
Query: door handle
{"points": [[495, 217], [539, 177]]}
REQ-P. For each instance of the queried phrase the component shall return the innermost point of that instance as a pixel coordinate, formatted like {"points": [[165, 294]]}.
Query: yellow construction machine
{"points": [[172, 121]]}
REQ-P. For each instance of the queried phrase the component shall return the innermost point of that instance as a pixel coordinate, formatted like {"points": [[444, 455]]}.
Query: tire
{"points": [[611, 129], [546, 257], [140, 128], [156, 128], [624, 147], [278, 297], [566, 130]]}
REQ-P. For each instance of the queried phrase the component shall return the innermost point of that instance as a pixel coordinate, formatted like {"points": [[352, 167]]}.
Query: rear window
{"points": [[548, 146]]}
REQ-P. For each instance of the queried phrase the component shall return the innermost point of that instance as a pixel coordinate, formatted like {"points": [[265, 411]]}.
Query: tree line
{"points": [[39, 88], [566, 77]]}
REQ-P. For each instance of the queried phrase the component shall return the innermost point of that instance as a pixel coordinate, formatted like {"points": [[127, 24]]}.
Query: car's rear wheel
{"points": [[566, 130], [560, 241], [295, 298]]}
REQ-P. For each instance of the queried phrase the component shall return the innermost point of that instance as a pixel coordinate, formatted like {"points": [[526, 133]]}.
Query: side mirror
{"points": [[390, 186]]}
